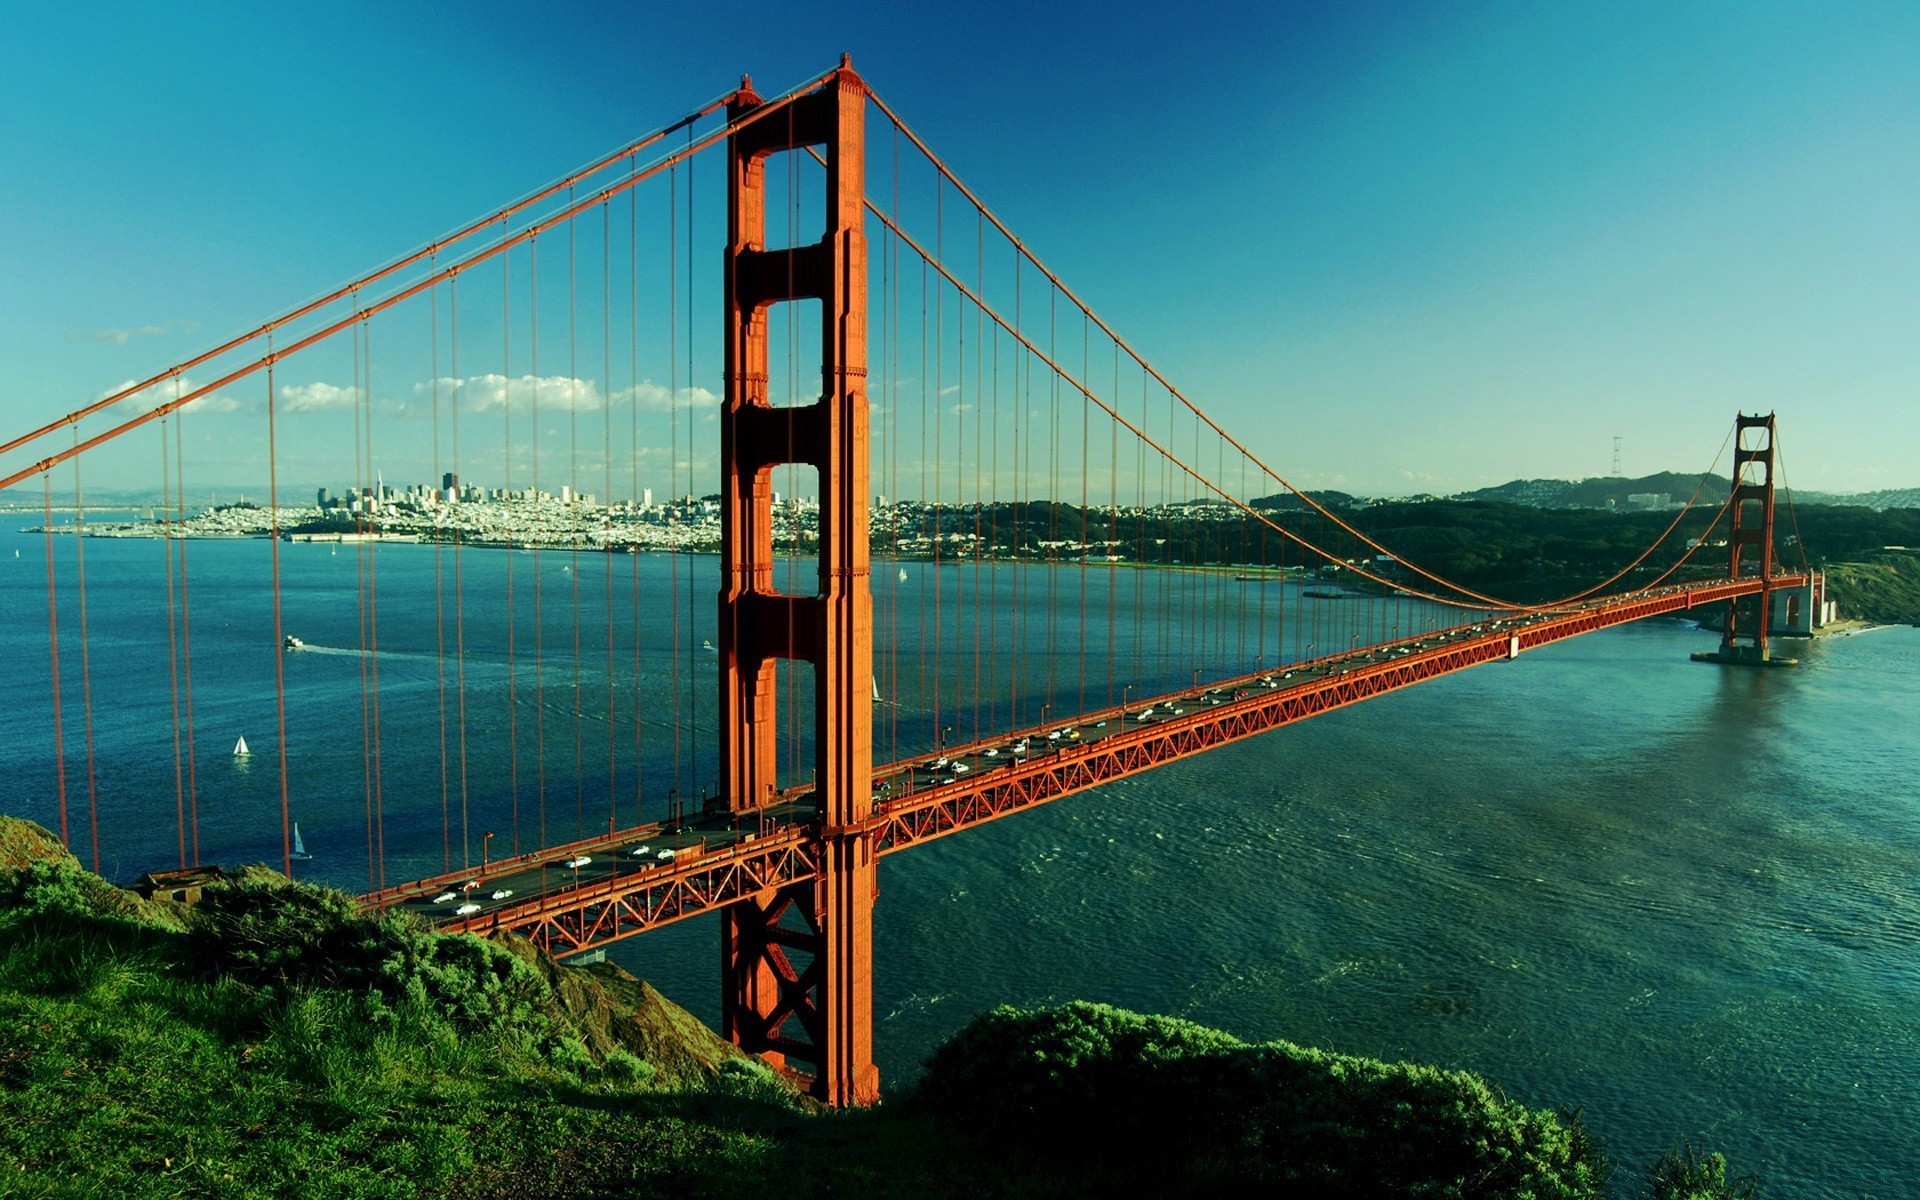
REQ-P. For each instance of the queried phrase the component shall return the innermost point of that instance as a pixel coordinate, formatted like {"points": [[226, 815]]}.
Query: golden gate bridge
{"points": [[1082, 572]]}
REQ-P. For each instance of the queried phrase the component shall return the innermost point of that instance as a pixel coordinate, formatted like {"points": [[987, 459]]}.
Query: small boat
{"points": [[292, 643], [299, 847], [903, 574], [240, 749], [876, 689]]}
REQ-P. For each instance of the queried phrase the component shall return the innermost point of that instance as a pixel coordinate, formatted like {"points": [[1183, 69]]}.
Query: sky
{"points": [[1398, 248]]}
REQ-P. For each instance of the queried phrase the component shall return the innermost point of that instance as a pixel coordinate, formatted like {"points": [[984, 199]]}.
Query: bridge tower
{"points": [[1752, 526], [797, 966]]}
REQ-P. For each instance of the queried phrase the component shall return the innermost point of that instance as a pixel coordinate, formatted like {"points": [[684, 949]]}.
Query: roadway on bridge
{"points": [[655, 850]]}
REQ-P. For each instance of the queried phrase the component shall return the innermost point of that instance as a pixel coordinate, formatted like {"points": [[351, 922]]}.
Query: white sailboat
{"points": [[903, 574], [299, 847], [240, 748], [876, 689]]}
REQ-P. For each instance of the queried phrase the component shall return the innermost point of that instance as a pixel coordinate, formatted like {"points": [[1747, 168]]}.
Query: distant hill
{"points": [[1608, 491], [1289, 502], [1601, 491], [1879, 501]]}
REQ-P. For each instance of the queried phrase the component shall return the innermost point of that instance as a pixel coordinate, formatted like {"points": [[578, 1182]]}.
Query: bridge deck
{"points": [[629, 886]]}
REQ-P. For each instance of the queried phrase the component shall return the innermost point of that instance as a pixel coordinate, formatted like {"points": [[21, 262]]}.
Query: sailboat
{"points": [[876, 689], [299, 847], [903, 574], [240, 749]]}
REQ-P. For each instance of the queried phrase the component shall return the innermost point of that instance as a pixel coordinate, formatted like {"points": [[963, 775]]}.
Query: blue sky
{"points": [[1398, 247]]}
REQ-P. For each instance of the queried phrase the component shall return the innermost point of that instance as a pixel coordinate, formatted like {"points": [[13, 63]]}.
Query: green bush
{"points": [[1683, 1175], [283, 937], [271, 933], [1166, 1094]]}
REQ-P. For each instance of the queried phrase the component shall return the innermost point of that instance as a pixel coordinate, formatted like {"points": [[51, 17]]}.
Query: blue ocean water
{"points": [[1679, 897]]}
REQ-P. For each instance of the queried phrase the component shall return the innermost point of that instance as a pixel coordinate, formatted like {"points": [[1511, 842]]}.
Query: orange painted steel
{"points": [[820, 1010], [1752, 485], [758, 869]]}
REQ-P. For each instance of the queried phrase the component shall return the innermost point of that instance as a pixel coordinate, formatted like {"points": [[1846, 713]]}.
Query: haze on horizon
{"points": [[1397, 249]]}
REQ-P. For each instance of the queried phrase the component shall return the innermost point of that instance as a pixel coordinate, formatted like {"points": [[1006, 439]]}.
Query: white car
{"points": [[578, 861], [639, 851], [502, 893], [992, 752], [467, 909], [665, 855], [961, 768], [443, 897]]}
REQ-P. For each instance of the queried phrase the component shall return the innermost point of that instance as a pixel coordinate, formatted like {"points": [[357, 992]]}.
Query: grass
{"points": [[363, 1056]]}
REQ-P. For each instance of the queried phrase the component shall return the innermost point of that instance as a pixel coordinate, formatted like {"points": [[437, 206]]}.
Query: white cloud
{"points": [[653, 397], [149, 398], [493, 391], [317, 397], [950, 389]]}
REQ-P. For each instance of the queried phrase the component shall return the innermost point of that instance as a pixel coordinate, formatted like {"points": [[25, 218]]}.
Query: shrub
{"points": [[1683, 1175], [281, 936], [1168, 1095], [273, 933]]}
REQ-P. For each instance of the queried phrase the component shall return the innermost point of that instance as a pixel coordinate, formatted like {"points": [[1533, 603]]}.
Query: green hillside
{"points": [[275, 1041]]}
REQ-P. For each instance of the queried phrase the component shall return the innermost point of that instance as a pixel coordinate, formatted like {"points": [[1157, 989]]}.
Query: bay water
{"points": [[1682, 898]]}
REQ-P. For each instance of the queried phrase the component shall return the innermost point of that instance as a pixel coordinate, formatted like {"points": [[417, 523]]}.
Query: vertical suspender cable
{"points": [[86, 658], [537, 539], [186, 631], [439, 589], [373, 612], [574, 511], [459, 579], [53, 647], [606, 493], [366, 499], [506, 451], [279, 635], [173, 645], [673, 464]]}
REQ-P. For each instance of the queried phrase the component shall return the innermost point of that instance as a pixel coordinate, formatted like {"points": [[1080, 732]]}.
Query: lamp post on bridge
{"points": [[484, 839]]}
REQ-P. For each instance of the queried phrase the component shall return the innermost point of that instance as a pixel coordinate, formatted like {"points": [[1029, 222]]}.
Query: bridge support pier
{"points": [[797, 962]]}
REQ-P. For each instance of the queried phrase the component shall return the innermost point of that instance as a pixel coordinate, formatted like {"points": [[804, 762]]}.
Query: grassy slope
{"points": [[129, 1069], [1884, 588]]}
